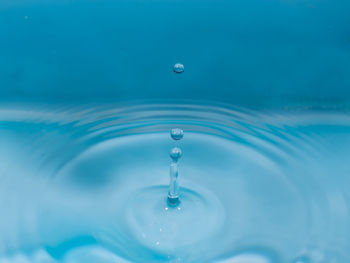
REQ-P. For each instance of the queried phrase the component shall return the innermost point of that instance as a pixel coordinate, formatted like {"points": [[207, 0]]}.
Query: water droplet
{"points": [[177, 134], [179, 68], [175, 154]]}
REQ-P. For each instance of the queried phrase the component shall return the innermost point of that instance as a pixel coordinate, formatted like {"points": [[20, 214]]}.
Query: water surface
{"points": [[89, 183]]}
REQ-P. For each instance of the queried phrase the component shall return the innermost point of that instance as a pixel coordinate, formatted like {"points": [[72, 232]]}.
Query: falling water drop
{"points": [[179, 68], [177, 134], [175, 154]]}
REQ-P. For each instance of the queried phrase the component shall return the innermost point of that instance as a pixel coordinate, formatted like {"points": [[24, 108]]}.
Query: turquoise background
{"points": [[250, 52]]}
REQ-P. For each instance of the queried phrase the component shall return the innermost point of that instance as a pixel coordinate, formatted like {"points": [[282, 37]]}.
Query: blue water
{"points": [[246, 52], [90, 183], [88, 97]]}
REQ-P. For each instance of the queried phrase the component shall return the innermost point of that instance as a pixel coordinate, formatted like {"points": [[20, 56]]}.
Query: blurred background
{"points": [[245, 52]]}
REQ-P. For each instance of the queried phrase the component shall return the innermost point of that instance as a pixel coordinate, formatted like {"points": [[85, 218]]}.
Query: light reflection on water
{"points": [[86, 184]]}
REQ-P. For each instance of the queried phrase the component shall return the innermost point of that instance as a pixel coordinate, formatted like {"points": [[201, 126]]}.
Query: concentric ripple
{"points": [[90, 184], [168, 229]]}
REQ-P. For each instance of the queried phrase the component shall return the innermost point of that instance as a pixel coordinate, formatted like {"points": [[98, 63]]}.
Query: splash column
{"points": [[175, 154]]}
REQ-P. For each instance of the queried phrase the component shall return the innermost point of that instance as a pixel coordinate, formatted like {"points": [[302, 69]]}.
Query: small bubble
{"points": [[179, 68], [175, 153], [177, 134], [26, 17]]}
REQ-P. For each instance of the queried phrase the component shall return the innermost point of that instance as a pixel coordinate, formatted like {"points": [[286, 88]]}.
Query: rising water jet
{"points": [[175, 154]]}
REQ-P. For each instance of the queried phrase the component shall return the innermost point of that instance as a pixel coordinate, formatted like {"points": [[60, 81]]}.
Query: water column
{"points": [[175, 154]]}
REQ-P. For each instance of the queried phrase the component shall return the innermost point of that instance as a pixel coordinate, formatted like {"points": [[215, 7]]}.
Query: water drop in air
{"points": [[177, 134], [175, 154], [179, 68]]}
